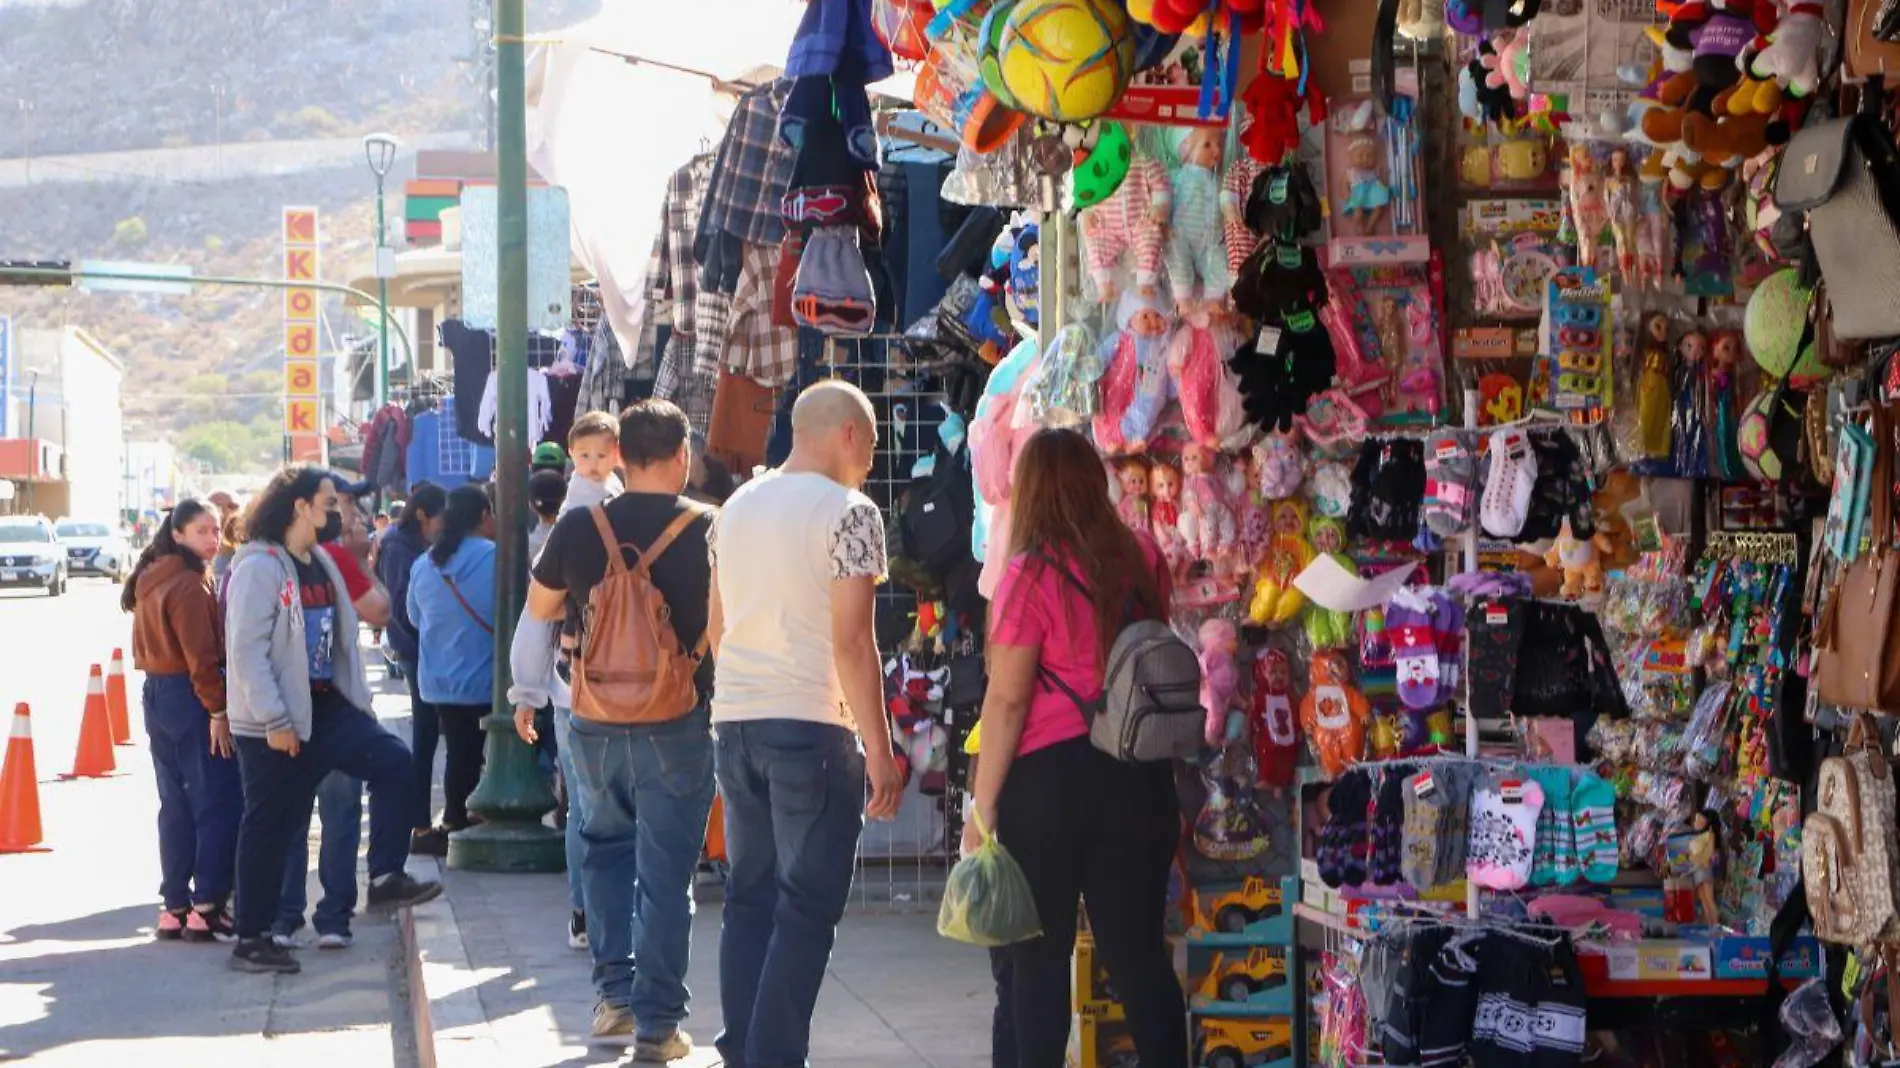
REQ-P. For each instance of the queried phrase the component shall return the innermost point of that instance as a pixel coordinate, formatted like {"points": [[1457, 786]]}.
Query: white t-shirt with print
{"points": [[778, 544]]}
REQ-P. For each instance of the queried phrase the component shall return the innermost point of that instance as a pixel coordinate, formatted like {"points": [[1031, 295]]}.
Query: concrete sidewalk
{"points": [[504, 989]]}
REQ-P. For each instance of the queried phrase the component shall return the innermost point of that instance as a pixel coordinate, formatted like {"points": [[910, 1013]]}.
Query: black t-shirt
{"points": [[574, 561]]}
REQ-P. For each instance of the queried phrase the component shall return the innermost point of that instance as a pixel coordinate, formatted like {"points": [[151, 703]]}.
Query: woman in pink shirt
{"points": [[1084, 826]]}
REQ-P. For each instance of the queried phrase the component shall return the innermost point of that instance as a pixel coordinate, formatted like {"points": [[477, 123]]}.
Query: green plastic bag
{"points": [[987, 900]]}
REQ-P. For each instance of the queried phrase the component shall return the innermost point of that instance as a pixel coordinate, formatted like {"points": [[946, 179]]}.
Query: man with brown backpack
{"points": [[634, 575]]}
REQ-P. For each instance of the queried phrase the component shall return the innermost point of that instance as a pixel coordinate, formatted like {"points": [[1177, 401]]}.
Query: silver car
{"points": [[95, 549], [31, 555]]}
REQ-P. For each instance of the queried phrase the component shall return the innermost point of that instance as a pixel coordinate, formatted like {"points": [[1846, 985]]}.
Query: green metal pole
{"points": [[382, 298], [511, 797]]}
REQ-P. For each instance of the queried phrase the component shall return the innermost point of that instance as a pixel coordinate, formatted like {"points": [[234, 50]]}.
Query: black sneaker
{"points": [[433, 842], [400, 891], [263, 955]]}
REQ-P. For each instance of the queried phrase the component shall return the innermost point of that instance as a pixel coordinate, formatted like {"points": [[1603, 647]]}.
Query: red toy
{"points": [[1274, 104], [1276, 737]]}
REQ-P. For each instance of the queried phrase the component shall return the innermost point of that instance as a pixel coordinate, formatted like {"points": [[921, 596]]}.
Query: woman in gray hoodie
{"points": [[299, 708]]}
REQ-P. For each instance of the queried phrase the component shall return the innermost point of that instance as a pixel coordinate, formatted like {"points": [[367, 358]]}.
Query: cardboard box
{"points": [[1103, 1041], [1256, 912], [1094, 994], [1257, 1042], [1660, 958], [1240, 981], [1746, 957]]}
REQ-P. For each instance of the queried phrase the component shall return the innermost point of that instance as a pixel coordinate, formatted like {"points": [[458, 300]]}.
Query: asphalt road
{"points": [[82, 983]]}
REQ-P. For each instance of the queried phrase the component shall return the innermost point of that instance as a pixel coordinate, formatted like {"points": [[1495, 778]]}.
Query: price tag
{"points": [[1423, 786], [1496, 615], [1268, 342], [1511, 792]]}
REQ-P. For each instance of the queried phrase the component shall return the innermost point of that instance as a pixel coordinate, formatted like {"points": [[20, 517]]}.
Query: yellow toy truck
{"points": [[1238, 980], [1227, 1043], [1233, 911]]}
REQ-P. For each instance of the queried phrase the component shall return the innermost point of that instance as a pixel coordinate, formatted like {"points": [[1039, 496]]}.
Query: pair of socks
{"points": [[1436, 801], [1593, 827], [1343, 848], [1554, 857], [1503, 831], [1451, 478], [1422, 625], [1384, 865], [1388, 487], [1496, 629], [1510, 477]]}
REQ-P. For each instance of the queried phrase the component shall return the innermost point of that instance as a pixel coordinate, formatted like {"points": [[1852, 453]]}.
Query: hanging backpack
{"points": [[1848, 851], [630, 667], [938, 511], [1150, 708]]}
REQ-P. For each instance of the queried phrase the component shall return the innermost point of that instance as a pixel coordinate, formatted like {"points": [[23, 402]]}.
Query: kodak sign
{"points": [[303, 397]]}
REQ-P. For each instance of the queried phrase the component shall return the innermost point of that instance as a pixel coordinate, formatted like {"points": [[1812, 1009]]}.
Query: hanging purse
{"points": [[1844, 174], [1859, 641]]}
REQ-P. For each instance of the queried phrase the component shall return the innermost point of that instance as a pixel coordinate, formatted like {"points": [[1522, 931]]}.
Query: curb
{"points": [[451, 1026], [421, 1021]]}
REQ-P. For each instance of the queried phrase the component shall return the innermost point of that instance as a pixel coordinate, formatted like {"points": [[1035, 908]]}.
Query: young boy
{"points": [[594, 447], [547, 490]]}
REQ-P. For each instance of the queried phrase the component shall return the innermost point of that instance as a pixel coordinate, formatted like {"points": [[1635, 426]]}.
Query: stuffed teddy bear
{"points": [[1580, 561]]}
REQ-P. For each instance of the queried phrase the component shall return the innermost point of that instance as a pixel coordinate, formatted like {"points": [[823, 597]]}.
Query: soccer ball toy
{"points": [[1066, 60]]}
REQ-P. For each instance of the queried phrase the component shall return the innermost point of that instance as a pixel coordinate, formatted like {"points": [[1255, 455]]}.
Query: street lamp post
{"points": [[381, 148], [32, 434]]}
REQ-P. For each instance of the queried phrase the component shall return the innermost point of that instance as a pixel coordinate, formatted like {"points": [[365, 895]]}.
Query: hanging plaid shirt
{"points": [[744, 195], [755, 346], [679, 226], [681, 381]]}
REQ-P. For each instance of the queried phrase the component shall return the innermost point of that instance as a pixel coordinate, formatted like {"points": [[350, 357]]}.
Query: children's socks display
{"points": [[1451, 477], [1593, 819], [1510, 478], [1504, 812], [1410, 626], [1388, 819], [1342, 842], [1553, 857]]}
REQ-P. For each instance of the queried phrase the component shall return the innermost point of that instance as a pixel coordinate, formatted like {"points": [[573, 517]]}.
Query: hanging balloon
{"points": [[1097, 177], [900, 25], [1066, 60]]}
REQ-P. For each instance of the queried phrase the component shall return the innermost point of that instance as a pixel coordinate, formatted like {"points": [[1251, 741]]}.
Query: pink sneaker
{"points": [[171, 925], [213, 926]]}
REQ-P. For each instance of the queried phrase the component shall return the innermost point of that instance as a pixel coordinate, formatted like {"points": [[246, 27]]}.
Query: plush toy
{"points": [[1479, 98], [1792, 56], [1276, 737], [1616, 537], [1207, 521], [1196, 255], [1724, 139], [1220, 680], [1325, 627], [1274, 105], [1164, 514], [1131, 474], [1333, 713], [1579, 561], [1503, 66], [1275, 599], [1132, 221]]}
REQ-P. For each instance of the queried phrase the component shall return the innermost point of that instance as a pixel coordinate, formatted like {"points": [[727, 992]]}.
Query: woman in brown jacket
{"points": [[178, 642]]}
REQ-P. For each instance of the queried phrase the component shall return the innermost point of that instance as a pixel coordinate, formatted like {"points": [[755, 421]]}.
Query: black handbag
{"points": [[1845, 175]]}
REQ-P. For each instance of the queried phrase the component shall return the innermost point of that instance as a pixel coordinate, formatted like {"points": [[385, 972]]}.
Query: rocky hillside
{"points": [[115, 75]]}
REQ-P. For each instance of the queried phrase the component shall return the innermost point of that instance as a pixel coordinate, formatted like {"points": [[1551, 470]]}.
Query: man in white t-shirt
{"points": [[798, 717]]}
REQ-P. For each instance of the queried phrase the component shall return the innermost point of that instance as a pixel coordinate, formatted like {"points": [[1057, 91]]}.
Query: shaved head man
{"points": [[798, 716]]}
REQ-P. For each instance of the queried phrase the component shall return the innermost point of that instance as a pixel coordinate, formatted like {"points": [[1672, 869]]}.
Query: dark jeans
{"points": [[278, 792], [340, 807], [647, 792], [200, 796], [423, 729], [1086, 826], [794, 796], [463, 736]]}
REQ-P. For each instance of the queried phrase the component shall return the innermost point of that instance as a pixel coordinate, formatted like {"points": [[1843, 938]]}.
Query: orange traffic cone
{"points": [[120, 716], [94, 759], [20, 790]]}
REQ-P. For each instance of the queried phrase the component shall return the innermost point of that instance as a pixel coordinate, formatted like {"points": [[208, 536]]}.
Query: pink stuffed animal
{"points": [[1220, 679], [1207, 520]]}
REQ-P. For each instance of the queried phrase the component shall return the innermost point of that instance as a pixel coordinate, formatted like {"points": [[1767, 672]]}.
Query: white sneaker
{"points": [[334, 941], [289, 941], [577, 930]]}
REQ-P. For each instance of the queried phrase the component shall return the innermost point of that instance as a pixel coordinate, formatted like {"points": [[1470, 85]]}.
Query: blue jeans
{"points": [[648, 791], [340, 806], [576, 807], [200, 796], [794, 795], [279, 788]]}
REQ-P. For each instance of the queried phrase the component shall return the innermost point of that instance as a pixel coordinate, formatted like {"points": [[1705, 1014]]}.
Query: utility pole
{"points": [[511, 796]]}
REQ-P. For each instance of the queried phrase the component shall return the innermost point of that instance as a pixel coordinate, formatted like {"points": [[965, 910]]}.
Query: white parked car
{"points": [[96, 549], [31, 555]]}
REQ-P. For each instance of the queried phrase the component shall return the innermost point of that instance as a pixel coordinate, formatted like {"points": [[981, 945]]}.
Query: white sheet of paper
{"points": [[1330, 586]]}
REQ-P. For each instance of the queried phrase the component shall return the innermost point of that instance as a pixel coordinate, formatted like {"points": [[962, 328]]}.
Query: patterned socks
{"points": [[1503, 831], [1508, 483], [1593, 817], [1451, 478]]}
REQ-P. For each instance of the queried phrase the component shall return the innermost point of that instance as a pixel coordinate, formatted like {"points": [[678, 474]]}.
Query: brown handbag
{"points": [[1859, 640]]}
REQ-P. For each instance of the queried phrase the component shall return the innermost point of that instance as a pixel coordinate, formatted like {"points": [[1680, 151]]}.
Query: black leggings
{"points": [[463, 737], [1087, 827]]}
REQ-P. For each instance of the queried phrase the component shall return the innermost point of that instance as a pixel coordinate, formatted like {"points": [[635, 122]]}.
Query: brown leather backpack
{"points": [[631, 667], [1859, 635]]}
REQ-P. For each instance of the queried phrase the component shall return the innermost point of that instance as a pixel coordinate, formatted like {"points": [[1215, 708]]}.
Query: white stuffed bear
{"points": [[1793, 55]]}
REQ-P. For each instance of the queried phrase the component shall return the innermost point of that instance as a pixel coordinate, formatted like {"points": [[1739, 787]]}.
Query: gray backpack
{"points": [[1150, 708]]}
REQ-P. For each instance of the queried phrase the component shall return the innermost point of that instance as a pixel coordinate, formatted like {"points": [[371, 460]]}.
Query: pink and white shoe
{"points": [[214, 925], [170, 926]]}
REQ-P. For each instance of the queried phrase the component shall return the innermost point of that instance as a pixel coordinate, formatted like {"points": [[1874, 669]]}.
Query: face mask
{"points": [[332, 527]]}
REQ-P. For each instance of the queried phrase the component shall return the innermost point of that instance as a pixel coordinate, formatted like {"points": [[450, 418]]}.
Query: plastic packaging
{"points": [[986, 901]]}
